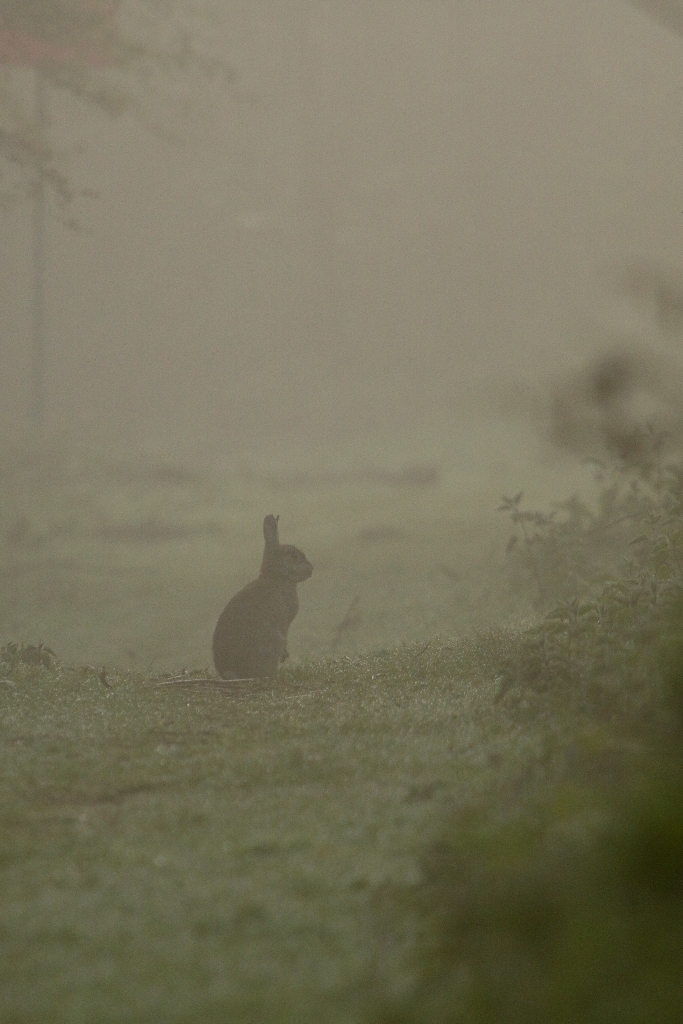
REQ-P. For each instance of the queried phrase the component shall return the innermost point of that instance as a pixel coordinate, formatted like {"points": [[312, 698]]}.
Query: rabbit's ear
{"points": [[270, 532]]}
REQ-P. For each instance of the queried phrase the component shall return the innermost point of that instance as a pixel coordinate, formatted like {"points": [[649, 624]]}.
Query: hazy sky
{"points": [[399, 207]]}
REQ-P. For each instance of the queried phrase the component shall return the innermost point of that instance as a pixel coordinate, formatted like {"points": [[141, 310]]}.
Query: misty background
{"points": [[396, 215]]}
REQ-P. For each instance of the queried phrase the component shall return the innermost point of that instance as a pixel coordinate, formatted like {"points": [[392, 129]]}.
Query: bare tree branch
{"points": [[111, 54]]}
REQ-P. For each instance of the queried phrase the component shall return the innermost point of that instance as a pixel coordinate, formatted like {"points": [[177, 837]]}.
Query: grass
{"points": [[192, 853], [482, 827], [169, 851]]}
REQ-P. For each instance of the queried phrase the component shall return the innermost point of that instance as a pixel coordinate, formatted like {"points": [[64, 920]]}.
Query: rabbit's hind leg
{"points": [[268, 654]]}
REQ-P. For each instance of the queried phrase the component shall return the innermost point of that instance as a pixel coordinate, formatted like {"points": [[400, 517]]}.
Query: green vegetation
{"points": [[560, 898], [486, 826], [564, 900]]}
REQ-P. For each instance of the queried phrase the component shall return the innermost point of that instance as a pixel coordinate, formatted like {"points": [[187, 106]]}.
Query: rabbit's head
{"points": [[282, 560]]}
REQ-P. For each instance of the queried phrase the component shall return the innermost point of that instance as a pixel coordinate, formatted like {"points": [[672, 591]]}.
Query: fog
{"points": [[395, 213]]}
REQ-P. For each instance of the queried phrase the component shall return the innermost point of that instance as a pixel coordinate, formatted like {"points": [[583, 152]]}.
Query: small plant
{"points": [[574, 551], [36, 655], [606, 580]]}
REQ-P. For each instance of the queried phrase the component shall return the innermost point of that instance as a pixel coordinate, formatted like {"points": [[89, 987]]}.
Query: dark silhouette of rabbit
{"points": [[250, 639]]}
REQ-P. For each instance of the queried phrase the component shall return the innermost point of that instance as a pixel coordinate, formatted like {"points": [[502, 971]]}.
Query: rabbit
{"points": [[250, 639]]}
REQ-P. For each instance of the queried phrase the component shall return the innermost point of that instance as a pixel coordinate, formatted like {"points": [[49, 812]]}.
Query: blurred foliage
{"points": [[519, 926], [668, 12], [568, 905]]}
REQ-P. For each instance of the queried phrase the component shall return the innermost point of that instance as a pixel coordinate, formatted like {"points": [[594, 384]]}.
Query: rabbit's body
{"points": [[250, 639]]}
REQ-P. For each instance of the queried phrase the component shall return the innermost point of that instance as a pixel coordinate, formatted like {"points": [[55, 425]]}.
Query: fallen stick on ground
{"points": [[216, 680]]}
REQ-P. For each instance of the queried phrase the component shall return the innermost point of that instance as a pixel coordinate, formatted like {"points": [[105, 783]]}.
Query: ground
{"points": [[197, 851]]}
